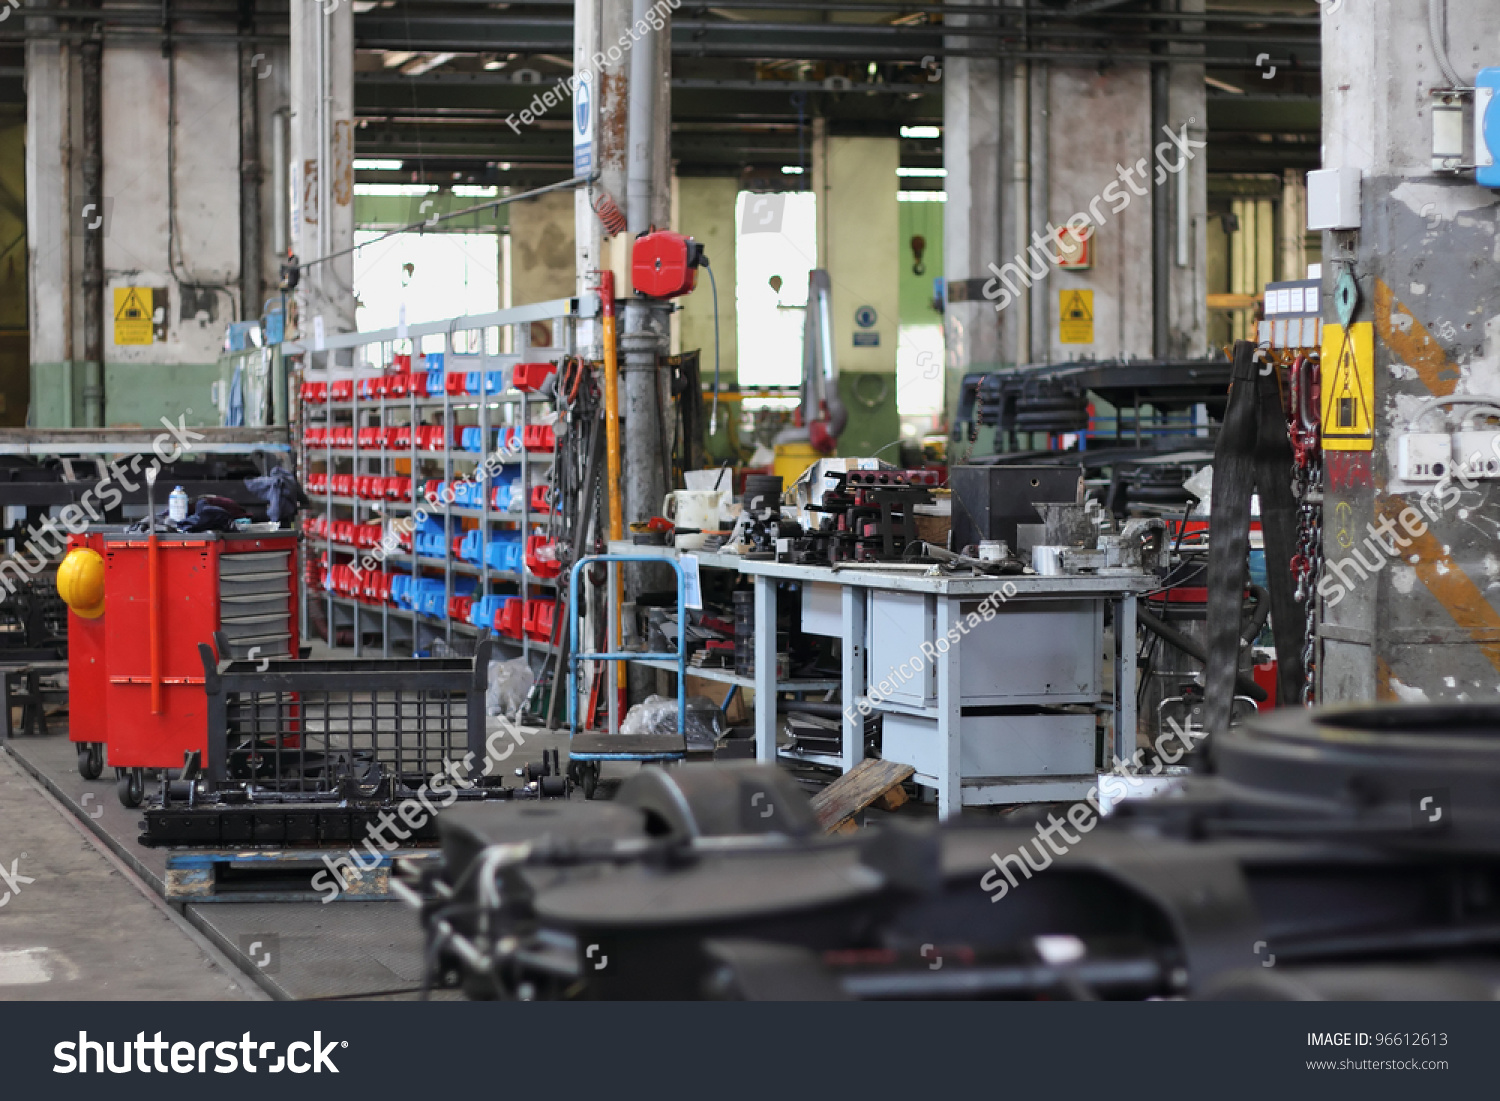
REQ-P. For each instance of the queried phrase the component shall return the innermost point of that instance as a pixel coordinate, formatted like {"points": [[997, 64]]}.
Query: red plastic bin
{"points": [[530, 376], [539, 617], [512, 618], [539, 437], [538, 566]]}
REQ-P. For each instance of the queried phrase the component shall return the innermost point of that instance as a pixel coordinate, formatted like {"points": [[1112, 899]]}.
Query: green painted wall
{"points": [[870, 398], [135, 394], [705, 212], [143, 393], [920, 220]]}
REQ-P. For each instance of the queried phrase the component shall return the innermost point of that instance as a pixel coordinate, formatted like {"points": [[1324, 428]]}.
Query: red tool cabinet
{"points": [[243, 585]]}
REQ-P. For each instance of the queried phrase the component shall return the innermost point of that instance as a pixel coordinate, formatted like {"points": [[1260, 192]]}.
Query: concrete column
{"points": [[322, 162], [542, 248], [971, 227], [1422, 624], [705, 212], [49, 223]]}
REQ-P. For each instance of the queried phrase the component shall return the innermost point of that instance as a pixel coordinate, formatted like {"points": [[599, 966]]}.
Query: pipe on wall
{"points": [[91, 84], [280, 186], [1021, 198], [1161, 224], [250, 229]]}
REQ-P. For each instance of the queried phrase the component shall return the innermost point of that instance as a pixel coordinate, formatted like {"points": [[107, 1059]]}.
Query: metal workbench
{"points": [[1035, 631]]}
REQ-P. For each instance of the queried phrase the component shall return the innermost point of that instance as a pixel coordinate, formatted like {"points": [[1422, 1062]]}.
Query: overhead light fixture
{"points": [[376, 165], [420, 65], [921, 131], [921, 196], [475, 191], [492, 64], [791, 170], [394, 189], [922, 173]]}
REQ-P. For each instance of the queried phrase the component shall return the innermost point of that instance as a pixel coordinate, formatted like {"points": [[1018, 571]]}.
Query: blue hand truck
{"points": [[588, 751]]}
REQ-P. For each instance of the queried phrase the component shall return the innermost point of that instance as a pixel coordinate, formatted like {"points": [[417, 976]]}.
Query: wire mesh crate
{"points": [[299, 730]]}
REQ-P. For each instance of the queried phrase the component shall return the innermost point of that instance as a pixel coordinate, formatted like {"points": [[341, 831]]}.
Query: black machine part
{"points": [[1362, 845], [989, 501]]}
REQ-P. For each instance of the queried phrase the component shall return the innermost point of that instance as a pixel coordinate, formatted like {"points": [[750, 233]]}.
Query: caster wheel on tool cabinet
{"points": [[91, 760], [131, 787], [590, 778]]}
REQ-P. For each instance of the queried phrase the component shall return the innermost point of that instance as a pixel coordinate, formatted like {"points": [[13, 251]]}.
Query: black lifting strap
{"points": [[1253, 453]]}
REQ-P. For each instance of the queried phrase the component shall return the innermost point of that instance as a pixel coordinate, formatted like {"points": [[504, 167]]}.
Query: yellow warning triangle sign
{"points": [[129, 307], [1348, 387], [1077, 307]]}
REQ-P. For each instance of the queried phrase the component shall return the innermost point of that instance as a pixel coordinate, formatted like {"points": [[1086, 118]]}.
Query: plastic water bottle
{"points": [[177, 505]]}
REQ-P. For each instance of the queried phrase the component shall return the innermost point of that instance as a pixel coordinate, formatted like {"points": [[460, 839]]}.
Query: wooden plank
{"points": [[856, 789], [1233, 301]]}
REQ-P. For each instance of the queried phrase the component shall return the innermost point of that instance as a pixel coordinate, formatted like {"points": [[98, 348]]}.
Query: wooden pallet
{"points": [[282, 875], [867, 783]]}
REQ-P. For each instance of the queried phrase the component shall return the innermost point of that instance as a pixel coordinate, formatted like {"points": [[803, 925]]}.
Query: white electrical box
{"points": [[1333, 198], [1424, 456], [1478, 452]]}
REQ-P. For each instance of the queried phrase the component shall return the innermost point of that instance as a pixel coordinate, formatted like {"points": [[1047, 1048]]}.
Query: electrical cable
{"points": [[572, 181], [1437, 21], [713, 417]]}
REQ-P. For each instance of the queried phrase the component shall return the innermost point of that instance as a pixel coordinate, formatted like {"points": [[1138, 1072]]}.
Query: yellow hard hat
{"points": [[80, 582]]}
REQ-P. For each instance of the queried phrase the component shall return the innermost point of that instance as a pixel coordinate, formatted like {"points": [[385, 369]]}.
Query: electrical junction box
{"points": [[1333, 198], [1487, 128], [1424, 456], [1477, 452]]}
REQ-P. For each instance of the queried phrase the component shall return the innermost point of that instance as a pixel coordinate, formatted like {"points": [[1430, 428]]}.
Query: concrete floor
{"points": [[77, 924]]}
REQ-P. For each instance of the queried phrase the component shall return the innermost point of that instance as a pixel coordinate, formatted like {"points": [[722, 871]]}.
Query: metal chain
{"points": [[1307, 486]]}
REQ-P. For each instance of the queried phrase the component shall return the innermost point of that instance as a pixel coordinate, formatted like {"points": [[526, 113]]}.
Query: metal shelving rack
{"points": [[473, 343]]}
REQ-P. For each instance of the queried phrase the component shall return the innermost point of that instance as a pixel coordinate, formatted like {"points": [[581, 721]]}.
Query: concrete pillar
{"points": [[1028, 146], [542, 248], [971, 227], [1424, 623], [322, 162], [705, 212], [49, 223]]}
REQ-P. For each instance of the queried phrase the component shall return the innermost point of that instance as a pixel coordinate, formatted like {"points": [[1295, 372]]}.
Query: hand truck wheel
{"points": [[590, 771], [132, 787], [90, 760]]}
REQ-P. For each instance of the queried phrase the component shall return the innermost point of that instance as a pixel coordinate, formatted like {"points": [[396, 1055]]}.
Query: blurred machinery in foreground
{"points": [[1311, 855]]}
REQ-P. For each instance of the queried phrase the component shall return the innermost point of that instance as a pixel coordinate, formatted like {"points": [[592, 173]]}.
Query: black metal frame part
{"points": [[296, 729]]}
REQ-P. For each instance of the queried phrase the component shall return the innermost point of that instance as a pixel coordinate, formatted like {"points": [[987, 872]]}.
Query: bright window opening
{"points": [[776, 247]]}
